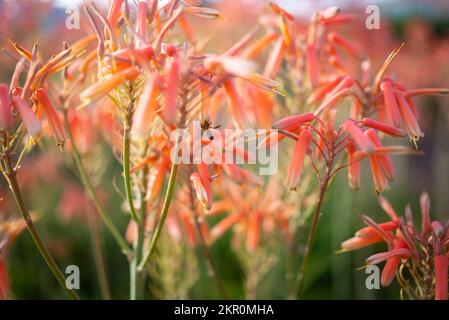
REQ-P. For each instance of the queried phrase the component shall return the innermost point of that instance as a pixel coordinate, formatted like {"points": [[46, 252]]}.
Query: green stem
{"points": [[98, 257], [12, 180], [166, 205], [127, 167], [314, 227], [136, 284], [92, 194]]}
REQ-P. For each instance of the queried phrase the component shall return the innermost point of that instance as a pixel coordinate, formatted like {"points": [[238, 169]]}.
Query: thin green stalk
{"points": [[135, 289], [127, 167], [314, 226], [12, 180], [98, 257], [93, 195], [166, 205], [137, 283]]}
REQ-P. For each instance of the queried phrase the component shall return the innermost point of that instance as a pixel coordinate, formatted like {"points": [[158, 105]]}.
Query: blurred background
{"points": [[55, 192]]}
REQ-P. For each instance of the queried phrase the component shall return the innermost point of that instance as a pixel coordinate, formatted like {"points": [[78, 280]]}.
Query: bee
{"points": [[206, 125]]}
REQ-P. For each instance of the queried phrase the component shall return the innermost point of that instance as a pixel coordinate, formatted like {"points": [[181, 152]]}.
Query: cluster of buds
{"points": [[417, 257]]}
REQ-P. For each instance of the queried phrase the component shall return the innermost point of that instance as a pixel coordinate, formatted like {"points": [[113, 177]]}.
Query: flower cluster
{"points": [[142, 73], [416, 256]]}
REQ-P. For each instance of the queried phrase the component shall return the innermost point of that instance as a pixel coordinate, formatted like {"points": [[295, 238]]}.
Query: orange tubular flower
{"points": [[102, 88], [358, 243], [114, 12], [296, 121], [278, 10], [235, 103], [241, 68], [156, 179], [331, 101], [312, 64], [201, 193], [344, 83], [320, 92], [142, 22], [391, 106], [146, 108], [272, 138], [171, 91], [384, 159], [353, 168], [426, 91], [224, 225], [297, 159], [379, 179], [369, 232], [380, 257], [203, 12], [254, 225], [410, 122], [275, 59], [357, 134], [189, 228], [392, 265], [343, 43], [256, 49], [53, 118], [385, 128], [441, 275], [203, 171]]}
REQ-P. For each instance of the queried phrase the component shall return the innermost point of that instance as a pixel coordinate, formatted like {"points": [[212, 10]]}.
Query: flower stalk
{"points": [[160, 225], [314, 226], [11, 177]]}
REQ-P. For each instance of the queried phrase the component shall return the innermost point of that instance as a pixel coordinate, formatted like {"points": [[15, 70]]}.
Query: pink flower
{"points": [[391, 106], [30, 121], [384, 159], [54, 121], [114, 12], [142, 21], [393, 262], [385, 128], [409, 118], [357, 135], [353, 168], [6, 120], [171, 91], [380, 257], [275, 59], [146, 108], [296, 121]]}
